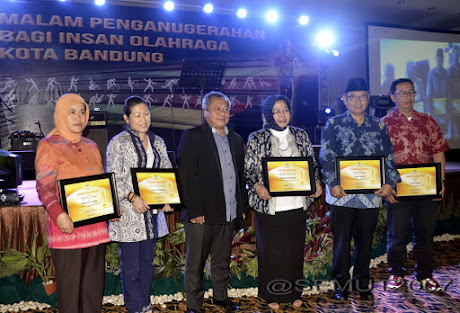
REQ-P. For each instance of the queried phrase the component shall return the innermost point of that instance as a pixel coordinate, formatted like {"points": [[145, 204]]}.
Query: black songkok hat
{"points": [[267, 111], [357, 84]]}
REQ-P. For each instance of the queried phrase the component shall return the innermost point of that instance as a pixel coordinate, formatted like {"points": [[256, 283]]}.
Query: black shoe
{"points": [[195, 310], [340, 295], [227, 305], [366, 296]]}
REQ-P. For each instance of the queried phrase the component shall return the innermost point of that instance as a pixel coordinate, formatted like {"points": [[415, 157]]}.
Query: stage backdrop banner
{"points": [[110, 52]]}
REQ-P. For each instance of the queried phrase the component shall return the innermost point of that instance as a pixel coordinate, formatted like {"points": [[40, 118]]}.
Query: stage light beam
{"points": [[169, 5], [99, 2], [208, 8], [242, 13]]}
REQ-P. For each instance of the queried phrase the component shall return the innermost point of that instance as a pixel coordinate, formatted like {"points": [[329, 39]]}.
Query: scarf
{"points": [[267, 112], [139, 148], [61, 113]]}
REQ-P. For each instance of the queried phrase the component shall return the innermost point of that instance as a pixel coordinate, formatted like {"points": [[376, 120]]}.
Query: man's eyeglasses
{"points": [[353, 98], [404, 93], [281, 112]]}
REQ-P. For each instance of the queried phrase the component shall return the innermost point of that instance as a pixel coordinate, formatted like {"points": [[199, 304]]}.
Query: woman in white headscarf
{"points": [[280, 221]]}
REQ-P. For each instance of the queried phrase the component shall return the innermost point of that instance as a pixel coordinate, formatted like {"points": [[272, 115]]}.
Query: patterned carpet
{"points": [[409, 299]]}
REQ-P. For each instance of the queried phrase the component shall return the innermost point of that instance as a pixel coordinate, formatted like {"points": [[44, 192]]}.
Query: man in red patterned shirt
{"points": [[416, 139]]}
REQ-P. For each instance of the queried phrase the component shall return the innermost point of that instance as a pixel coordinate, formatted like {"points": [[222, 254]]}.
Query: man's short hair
{"points": [[207, 99], [399, 81]]}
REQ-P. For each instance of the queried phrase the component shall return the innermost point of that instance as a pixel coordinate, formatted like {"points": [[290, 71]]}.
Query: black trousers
{"points": [[201, 241], [359, 224], [80, 278], [421, 216]]}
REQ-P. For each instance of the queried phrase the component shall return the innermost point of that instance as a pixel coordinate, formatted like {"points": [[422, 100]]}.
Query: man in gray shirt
{"points": [[211, 163]]}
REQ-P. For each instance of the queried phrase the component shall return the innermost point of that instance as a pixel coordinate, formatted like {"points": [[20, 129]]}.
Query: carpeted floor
{"points": [[409, 299]]}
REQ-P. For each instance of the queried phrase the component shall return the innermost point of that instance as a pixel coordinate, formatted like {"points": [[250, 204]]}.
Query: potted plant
{"points": [[35, 257]]}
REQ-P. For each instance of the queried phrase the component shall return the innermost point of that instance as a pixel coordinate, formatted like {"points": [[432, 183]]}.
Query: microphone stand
{"points": [[40, 128], [6, 105], [9, 109]]}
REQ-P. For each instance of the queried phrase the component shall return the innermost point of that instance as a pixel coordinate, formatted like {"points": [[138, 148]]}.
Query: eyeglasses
{"points": [[404, 93], [354, 98], [281, 112]]}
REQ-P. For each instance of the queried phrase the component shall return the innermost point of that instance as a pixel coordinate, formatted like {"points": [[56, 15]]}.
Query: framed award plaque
{"points": [[419, 181], [157, 186], [360, 174], [89, 199], [290, 176]]}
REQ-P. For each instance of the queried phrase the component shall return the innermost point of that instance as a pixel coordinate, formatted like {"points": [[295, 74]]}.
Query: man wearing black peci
{"points": [[211, 162], [354, 134]]}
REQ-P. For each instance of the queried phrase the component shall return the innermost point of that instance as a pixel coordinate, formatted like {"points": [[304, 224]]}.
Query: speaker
{"points": [[24, 140], [28, 163], [96, 130], [100, 137]]}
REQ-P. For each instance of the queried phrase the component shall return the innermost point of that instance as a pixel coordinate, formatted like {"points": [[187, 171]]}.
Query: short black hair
{"points": [[399, 81]]}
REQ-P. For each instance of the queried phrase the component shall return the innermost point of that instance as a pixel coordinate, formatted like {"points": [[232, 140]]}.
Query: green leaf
{"points": [[13, 258], [41, 254], [34, 246]]}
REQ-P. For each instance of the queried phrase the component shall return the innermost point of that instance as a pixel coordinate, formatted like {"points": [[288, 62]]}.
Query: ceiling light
{"points": [[242, 13], [272, 16], [303, 20], [168, 5], [208, 8]]}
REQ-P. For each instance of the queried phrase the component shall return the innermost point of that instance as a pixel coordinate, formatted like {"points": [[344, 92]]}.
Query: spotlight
{"points": [[99, 2], [208, 8], [335, 53], [303, 20], [324, 39], [168, 5], [63, 0], [272, 16], [325, 114], [242, 13]]}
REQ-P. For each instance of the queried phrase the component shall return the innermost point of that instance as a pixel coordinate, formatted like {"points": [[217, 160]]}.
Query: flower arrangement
{"points": [[448, 208], [244, 255], [318, 242], [170, 262]]}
